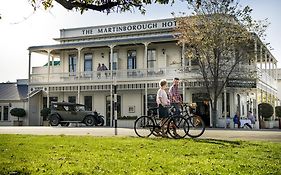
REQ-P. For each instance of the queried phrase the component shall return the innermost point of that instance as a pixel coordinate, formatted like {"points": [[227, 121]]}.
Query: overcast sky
{"points": [[20, 28]]}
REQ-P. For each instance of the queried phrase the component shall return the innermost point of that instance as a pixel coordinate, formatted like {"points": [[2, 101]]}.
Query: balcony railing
{"points": [[139, 75], [105, 76]]}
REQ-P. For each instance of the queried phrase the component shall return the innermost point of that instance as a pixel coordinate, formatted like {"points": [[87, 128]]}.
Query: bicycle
{"points": [[175, 126], [196, 124]]}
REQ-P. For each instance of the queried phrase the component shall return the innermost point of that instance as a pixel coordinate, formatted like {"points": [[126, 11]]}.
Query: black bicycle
{"points": [[174, 126], [196, 124]]}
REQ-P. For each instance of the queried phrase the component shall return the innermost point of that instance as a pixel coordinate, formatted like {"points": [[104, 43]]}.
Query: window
{"points": [[151, 102], [88, 103], [115, 61], [132, 59], [151, 58], [227, 103], [88, 62], [72, 99], [6, 113], [72, 63]]}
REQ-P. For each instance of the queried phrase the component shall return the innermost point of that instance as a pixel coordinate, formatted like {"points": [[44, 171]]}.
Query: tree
{"points": [[107, 6], [278, 111], [219, 36], [18, 112]]}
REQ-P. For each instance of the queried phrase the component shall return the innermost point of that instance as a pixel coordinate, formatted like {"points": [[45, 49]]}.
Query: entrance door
{"points": [[203, 107], [108, 114]]}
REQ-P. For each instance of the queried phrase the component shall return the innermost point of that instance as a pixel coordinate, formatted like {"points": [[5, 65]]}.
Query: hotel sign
{"points": [[119, 28], [241, 83]]}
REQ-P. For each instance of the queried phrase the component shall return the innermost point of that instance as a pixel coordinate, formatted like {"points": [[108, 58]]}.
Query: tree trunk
{"points": [[214, 117]]}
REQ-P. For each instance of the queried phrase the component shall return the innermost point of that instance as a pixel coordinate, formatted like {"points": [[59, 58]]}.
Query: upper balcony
{"points": [[56, 76]]}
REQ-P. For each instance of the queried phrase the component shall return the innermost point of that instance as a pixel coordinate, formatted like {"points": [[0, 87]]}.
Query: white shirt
{"points": [[162, 97]]}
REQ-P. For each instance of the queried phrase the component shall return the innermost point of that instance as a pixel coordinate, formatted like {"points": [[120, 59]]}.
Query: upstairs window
{"points": [[72, 60], [151, 58], [132, 59], [88, 62]]}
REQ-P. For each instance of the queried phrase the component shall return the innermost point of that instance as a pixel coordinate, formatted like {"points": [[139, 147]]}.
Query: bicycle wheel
{"points": [[178, 127], [144, 126], [196, 126]]}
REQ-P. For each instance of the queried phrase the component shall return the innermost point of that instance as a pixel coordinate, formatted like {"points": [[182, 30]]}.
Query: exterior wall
{"points": [[168, 56]]}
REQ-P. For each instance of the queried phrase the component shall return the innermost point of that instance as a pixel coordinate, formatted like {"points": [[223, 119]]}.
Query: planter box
{"points": [[46, 123], [17, 123], [125, 123], [268, 124]]}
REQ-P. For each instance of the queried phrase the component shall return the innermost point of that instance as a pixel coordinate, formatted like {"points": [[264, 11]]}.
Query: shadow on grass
{"points": [[218, 141]]}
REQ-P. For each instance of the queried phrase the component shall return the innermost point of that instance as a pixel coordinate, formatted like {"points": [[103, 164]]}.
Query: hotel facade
{"points": [[136, 56]]}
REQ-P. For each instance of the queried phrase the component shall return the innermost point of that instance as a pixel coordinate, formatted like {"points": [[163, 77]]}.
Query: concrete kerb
{"points": [[210, 133]]}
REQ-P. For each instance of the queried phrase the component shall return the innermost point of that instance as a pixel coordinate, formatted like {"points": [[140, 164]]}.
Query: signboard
{"points": [[241, 83], [119, 28]]}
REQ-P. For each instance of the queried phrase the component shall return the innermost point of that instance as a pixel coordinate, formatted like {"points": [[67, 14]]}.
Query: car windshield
{"points": [[80, 108]]}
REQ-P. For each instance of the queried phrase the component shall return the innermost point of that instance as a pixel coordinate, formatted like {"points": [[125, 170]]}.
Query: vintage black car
{"points": [[64, 113]]}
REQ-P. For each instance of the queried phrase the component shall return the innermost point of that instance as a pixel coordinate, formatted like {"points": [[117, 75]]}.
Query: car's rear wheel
{"points": [[89, 120], [54, 120]]}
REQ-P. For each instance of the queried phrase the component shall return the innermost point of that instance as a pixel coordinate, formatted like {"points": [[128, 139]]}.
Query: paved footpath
{"points": [[221, 134]]}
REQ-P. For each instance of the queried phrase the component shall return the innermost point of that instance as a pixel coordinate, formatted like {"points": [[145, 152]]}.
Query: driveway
{"points": [[222, 134]]}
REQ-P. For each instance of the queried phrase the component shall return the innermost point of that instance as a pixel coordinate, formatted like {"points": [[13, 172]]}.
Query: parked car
{"points": [[65, 113]]}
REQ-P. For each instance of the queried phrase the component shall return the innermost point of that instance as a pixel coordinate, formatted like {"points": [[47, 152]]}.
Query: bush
{"points": [[278, 111], [265, 110], [45, 112], [18, 112]]}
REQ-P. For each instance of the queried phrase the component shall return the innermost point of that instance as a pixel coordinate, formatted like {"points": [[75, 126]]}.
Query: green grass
{"points": [[26, 154]]}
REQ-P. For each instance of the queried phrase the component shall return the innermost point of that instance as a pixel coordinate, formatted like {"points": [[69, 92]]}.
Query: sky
{"points": [[21, 28]]}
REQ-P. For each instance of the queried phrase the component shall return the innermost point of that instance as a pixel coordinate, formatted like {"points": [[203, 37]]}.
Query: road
{"points": [[221, 134]]}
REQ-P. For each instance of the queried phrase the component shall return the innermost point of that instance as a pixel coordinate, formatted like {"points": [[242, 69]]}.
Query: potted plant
{"points": [[45, 113], [265, 112], [18, 112]]}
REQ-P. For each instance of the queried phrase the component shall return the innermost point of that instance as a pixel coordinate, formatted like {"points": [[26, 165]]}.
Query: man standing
{"points": [[175, 97]]}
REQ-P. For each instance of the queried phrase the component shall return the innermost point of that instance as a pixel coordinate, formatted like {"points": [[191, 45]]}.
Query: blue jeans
{"points": [[177, 107]]}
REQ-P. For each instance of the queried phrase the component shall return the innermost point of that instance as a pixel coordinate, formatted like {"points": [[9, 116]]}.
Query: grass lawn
{"points": [[26, 154]]}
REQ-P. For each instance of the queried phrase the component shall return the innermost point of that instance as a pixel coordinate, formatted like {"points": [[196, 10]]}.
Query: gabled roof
{"points": [[13, 91]]}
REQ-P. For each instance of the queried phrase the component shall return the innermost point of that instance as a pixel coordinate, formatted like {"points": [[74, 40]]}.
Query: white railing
{"points": [[103, 76]]}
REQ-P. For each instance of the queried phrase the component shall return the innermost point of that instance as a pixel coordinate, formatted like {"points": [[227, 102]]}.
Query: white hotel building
{"points": [[137, 56]]}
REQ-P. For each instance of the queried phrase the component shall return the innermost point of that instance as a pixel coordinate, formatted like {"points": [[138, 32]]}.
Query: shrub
{"points": [[265, 110], [45, 112], [278, 111], [18, 112]]}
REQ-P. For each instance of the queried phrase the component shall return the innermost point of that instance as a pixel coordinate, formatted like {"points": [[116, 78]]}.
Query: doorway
{"points": [[108, 114], [203, 106]]}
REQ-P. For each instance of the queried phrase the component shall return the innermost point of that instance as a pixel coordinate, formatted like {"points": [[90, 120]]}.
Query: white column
{"points": [[183, 91], [276, 71], [48, 94], [79, 61], [111, 86], [257, 112], [265, 57], [53, 62], [146, 105], [225, 110], [261, 57], [78, 94], [29, 80]]}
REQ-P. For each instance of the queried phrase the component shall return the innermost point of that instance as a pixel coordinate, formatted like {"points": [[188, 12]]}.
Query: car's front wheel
{"points": [[89, 120], [54, 120]]}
